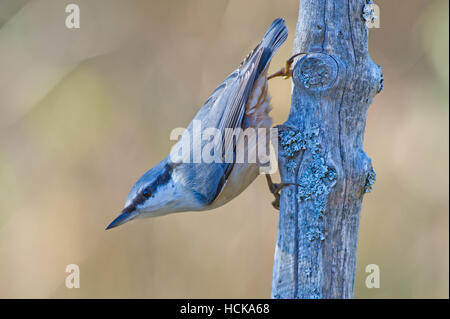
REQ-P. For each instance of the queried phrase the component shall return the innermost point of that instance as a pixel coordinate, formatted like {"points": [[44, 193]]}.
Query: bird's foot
{"points": [[286, 71], [275, 189]]}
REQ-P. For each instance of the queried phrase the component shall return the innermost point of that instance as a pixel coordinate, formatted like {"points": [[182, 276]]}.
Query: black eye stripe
{"points": [[145, 193]]}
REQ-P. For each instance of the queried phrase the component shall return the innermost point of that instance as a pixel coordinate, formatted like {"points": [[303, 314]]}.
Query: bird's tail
{"points": [[276, 35], [273, 39]]}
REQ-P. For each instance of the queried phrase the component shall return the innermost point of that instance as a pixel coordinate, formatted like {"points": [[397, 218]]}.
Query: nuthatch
{"points": [[240, 101]]}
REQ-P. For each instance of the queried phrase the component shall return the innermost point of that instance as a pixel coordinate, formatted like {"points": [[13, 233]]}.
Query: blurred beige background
{"points": [[83, 113]]}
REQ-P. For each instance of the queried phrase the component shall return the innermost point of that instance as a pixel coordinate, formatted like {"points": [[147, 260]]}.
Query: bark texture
{"points": [[321, 151]]}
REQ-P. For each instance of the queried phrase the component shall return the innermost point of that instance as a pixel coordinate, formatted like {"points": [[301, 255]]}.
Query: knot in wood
{"points": [[315, 71]]}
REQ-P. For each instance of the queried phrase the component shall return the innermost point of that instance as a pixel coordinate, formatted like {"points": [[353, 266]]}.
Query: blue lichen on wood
{"points": [[370, 180], [381, 82], [317, 178], [316, 294], [291, 166], [294, 141], [315, 183], [368, 12], [314, 233]]}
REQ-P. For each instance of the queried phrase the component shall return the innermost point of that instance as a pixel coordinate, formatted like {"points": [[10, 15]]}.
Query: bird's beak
{"points": [[122, 219]]}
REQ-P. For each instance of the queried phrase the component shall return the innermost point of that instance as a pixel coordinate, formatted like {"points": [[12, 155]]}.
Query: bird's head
{"points": [[154, 194]]}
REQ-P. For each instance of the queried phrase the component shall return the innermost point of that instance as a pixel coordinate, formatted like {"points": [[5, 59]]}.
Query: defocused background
{"points": [[84, 112]]}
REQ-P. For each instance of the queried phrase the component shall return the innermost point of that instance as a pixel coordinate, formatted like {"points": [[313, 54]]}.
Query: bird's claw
{"points": [[275, 189], [276, 202], [286, 71]]}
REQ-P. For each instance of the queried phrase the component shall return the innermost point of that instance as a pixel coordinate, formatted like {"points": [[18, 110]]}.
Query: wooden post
{"points": [[321, 150]]}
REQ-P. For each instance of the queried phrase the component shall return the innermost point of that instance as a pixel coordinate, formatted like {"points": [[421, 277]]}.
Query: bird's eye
{"points": [[145, 192]]}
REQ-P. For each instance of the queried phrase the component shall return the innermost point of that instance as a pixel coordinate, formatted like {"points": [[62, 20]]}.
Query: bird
{"points": [[241, 101]]}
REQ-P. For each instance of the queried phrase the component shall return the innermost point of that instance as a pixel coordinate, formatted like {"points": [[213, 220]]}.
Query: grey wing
{"points": [[234, 111], [223, 110]]}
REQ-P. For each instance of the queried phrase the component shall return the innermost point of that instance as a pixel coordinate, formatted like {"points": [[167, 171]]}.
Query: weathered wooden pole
{"points": [[321, 151]]}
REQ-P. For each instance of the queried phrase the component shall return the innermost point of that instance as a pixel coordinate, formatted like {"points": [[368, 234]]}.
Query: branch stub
{"points": [[315, 72]]}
